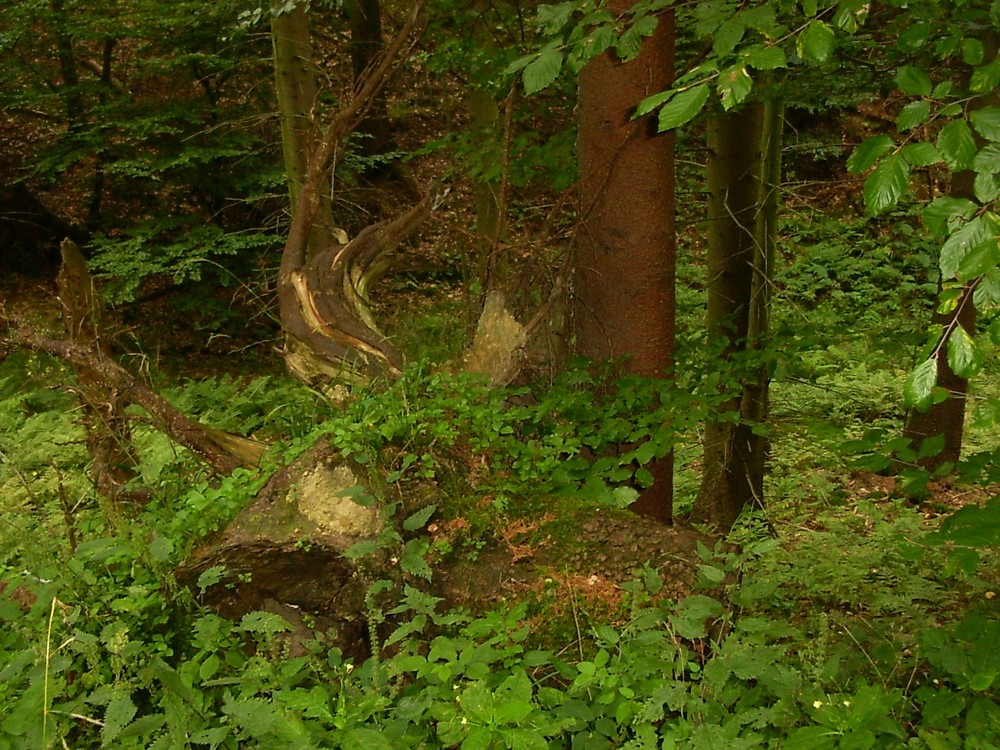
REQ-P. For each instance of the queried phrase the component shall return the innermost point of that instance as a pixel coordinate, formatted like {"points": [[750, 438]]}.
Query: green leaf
{"points": [[866, 154], [986, 121], [630, 43], [957, 145], [913, 81], [765, 58], [988, 159], [816, 42], [650, 103], [913, 114], [419, 519], [119, 714], [961, 242], [683, 107], [920, 154], [361, 549], [986, 77], [550, 19], [972, 51], [727, 36], [414, 561], [734, 85], [978, 260], [887, 183], [962, 353], [986, 187], [542, 71], [919, 385], [945, 214], [914, 37]]}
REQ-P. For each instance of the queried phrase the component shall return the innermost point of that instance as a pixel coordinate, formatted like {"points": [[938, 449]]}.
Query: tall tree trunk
{"points": [[366, 45], [297, 90], [734, 456], [624, 263], [947, 418]]}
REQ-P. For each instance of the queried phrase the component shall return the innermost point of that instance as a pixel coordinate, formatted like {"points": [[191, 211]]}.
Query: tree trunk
{"points": [[323, 287], [297, 89], [624, 263], [946, 418], [366, 45], [734, 456]]}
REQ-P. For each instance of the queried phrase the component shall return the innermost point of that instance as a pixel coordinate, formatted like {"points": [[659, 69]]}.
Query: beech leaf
{"points": [[683, 107], [868, 152], [962, 353], [986, 121], [887, 183], [816, 42], [919, 385], [542, 71]]}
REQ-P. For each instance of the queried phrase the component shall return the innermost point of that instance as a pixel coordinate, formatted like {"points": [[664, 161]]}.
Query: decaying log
{"points": [[285, 554], [221, 450]]}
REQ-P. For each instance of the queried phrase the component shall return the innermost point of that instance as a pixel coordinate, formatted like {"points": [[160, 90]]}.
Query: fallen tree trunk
{"points": [[285, 554], [223, 451]]}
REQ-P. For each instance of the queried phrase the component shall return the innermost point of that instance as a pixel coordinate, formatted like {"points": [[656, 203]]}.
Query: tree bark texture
{"points": [[624, 266], [734, 456]]}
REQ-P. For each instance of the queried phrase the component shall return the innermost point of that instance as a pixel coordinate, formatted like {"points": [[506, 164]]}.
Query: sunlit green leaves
{"points": [[918, 391], [683, 107], [630, 42], [764, 58], [913, 114], [986, 77], [946, 213], [920, 154], [964, 358], [972, 236], [886, 185], [542, 71], [815, 44]]}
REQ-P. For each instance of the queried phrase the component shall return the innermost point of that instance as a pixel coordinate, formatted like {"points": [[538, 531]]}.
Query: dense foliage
{"points": [[859, 610]]}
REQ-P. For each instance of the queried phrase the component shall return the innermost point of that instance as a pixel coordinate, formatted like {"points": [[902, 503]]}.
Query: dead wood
{"points": [[223, 451], [109, 433], [285, 554]]}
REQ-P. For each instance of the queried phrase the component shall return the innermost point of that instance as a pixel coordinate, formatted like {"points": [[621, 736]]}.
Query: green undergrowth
{"points": [[859, 625]]}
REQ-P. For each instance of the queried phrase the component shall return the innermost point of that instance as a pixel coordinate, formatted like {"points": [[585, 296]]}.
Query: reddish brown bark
{"points": [[624, 274]]}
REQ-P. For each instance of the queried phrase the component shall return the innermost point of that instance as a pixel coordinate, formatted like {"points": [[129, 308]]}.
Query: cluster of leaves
{"points": [[949, 124], [764, 37]]}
